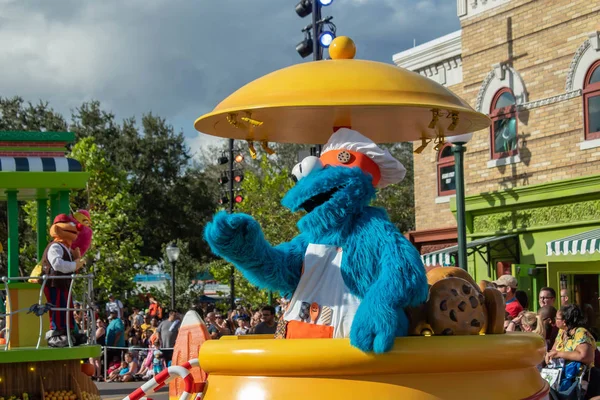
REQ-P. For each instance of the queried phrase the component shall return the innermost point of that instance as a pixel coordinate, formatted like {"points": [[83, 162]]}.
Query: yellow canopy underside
{"points": [[304, 102]]}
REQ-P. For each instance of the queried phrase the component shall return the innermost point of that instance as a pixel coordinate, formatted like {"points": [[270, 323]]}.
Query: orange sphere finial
{"points": [[342, 47]]}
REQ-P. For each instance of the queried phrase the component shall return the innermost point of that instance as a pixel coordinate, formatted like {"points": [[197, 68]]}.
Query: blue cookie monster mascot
{"points": [[350, 272]]}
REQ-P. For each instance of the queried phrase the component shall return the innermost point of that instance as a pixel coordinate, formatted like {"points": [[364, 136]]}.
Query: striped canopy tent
{"points": [[33, 166], [440, 257], [582, 243], [39, 164], [447, 257]]}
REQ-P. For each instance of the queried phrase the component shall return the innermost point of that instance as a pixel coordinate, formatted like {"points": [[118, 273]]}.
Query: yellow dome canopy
{"points": [[304, 102]]}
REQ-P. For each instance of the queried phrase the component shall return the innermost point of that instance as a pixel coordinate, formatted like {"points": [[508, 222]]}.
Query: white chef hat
{"points": [[346, 141]]}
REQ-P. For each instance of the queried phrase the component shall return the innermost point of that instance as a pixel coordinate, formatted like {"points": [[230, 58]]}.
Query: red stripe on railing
{"points": [[188, 384], [162, 376], [137, 394], [199, 387]]}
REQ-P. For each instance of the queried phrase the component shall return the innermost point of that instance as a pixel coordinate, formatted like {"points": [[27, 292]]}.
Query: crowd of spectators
{"points": [[139, 342], [570, 331], [241, 321]]}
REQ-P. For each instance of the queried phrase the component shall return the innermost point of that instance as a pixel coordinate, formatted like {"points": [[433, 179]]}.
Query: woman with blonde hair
{"points": [[532, 322], [527, 321]]}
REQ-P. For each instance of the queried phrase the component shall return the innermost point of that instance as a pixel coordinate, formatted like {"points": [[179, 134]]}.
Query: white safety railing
{"points": [[164, 377], [40, 308]]}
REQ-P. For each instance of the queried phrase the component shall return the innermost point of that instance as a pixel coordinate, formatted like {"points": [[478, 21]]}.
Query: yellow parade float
{"points": [[304, 104]]}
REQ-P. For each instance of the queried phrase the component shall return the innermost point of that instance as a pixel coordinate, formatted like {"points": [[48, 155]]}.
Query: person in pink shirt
{"points": [[507, 285]]}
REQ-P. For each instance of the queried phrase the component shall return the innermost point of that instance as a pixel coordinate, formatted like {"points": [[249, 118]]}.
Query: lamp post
{"points": [[459, 148], [172, 255]]}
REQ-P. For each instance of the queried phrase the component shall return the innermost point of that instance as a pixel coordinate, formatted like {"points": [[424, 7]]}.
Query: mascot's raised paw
{"points": [[229, 234], [372, 331]]}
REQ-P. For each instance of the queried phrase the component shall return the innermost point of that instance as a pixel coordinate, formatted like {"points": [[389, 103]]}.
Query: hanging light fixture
{"points": [[305, 47], [304, 8]]}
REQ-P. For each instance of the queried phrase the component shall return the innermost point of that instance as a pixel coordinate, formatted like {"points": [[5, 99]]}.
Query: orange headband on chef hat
{"points": [[349, 148]]}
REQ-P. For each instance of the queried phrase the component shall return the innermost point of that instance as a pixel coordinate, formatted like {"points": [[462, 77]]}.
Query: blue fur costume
{"points": [[379, 265]]}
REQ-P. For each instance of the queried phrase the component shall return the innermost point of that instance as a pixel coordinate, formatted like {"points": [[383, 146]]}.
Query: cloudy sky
{"points": [[179, 58]]}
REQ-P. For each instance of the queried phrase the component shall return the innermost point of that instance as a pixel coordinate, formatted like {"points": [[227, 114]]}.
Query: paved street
{"points": [[117, 391]]}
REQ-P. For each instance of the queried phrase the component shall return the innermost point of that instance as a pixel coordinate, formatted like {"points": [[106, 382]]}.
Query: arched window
{"points": [[591, 102], [503, 112], [445, 171]]}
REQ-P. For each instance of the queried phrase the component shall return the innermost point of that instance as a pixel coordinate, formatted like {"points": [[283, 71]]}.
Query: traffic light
{"points": [[232, 174], [238, 177], [223, 179]]}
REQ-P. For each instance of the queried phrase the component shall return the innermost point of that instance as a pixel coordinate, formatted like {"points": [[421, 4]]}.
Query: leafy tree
{"points": [[16, 115], [221, 271], [115, 248], [90, 121], [284, 158], [187, 269], [174, 200], [398, 199], [262, 200]]}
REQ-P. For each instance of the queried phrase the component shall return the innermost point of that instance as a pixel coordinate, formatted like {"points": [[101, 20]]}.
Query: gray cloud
{"points": [[179, 58]]}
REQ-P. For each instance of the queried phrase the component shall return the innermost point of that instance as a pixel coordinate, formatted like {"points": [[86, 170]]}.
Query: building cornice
{"points": [[433, 235], [549, 100], [430, 53], [533, 195]]}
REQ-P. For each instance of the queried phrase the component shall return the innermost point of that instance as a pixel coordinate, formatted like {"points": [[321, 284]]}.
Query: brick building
{"points": [[532, 179]]}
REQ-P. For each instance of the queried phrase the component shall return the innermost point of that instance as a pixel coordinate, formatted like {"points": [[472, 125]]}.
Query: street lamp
{"points": [[459, 148], [172, 255]]}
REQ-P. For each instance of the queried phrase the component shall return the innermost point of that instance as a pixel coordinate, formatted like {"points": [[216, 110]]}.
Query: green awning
{"points": [[447, 257], [582, 243]]}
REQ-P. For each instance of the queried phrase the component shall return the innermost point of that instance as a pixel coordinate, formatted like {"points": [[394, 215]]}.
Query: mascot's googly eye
{"points": [[344, 157], [304, 168]]}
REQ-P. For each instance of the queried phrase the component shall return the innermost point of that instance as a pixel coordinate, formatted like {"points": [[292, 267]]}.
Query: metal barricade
{"points": [[87, 306], [123, 350]]}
